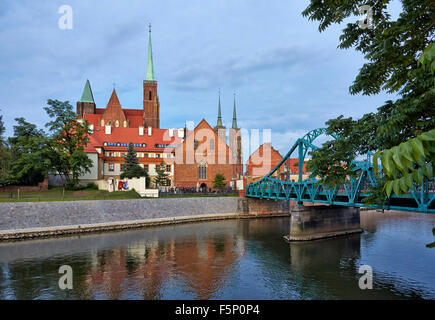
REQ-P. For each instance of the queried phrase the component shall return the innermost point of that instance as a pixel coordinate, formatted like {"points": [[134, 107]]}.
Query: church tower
{"points": [[151, 105], [235, 138], [86, 105], [220, 128]]}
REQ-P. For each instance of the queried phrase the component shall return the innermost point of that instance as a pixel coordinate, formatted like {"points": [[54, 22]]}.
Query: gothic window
{"points": [[117, 123], [150, 95], [212, 144], [125, 124], [102, 123], [202, 171], [195, 144]]}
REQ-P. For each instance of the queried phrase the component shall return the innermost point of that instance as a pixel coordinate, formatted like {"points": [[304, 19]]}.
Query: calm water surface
{"points": [[237, 259]]}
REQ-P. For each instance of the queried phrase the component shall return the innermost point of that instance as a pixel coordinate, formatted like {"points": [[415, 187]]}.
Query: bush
{"points": [[92, 186], [74, 186]]}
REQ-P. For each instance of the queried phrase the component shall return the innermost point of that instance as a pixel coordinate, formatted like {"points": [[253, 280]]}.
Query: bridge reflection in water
{"points": [[237, 259]]}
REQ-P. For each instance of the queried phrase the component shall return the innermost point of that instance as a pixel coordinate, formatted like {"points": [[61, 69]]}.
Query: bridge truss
{"points": [[278, 185]]}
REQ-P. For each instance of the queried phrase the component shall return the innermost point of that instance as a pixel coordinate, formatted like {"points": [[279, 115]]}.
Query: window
{"points": [[202, 171], [146, 155], [146, 167], [212, 144], [150, 95], [122, 166], [168, 168], [157, 155], [111, 167], [195, 144]]}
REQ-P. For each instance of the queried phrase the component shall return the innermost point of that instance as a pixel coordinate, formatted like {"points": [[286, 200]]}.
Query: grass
{"points": [[57, 194]]}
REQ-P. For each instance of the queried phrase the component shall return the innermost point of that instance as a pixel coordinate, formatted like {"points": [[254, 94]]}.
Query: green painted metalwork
{"points": [[277, 184], [87, 95], [150, 64]]}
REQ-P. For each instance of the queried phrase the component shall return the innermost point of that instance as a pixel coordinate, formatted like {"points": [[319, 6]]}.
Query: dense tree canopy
{"points": [[29, 164], [392, 49], [69, 137]]}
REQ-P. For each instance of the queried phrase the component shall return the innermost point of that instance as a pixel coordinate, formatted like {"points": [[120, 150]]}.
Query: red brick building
{"points": [[114, 127], [265, 159], [201, 156]]}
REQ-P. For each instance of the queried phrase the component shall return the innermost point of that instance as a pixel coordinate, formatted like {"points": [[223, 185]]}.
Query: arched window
{"points": [[117, 123], [150, 95], [102, 122], [212, 144], [202, 171]]}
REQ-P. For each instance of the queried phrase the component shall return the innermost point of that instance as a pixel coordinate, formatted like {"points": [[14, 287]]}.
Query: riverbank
{"points": [[43, 219]]}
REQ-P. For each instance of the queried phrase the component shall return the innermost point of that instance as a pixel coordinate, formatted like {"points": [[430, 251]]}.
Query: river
{"points": [[231, 259]]}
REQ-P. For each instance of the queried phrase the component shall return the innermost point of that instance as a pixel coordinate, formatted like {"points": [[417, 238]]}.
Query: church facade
{"points": [[191, 158]]}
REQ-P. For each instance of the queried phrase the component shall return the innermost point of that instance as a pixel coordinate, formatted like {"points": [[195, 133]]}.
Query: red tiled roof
{"points": [[134, 116]]}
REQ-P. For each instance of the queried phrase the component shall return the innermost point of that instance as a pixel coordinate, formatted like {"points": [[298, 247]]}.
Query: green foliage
{"points": [[162, 175], [131, 158], [399, 59], [5, 155], [132, 167], [219, 181], [65, 147], [29, 165], [409, 163], [135, 172], [92, 186]]}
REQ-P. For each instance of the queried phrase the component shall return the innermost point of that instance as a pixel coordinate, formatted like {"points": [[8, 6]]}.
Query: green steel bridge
{"points": [[278, 185]]}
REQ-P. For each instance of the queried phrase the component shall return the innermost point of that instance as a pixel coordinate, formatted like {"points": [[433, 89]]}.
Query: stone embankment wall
{"points": [[35, 219]]}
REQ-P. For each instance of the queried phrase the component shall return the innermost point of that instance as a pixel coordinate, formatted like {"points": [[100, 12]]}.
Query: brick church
{"points": [[191, 158]]}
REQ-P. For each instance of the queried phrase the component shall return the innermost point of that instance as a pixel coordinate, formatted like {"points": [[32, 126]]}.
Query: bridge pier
{"points": [[249, 206], [318, 222]]}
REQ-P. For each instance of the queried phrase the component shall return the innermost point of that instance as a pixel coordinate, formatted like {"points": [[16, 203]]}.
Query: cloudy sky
{"points": [[288, 77]]}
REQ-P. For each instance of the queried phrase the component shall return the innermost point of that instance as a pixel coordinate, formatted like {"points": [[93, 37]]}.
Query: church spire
{"points": [[87, 95], [234, 114], [219, 119], [150, 65]]}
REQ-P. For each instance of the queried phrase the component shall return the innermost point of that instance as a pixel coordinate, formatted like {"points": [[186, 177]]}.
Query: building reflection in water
{"points": [[198, 266]]}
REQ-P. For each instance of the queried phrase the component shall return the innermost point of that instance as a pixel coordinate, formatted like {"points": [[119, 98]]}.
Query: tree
{"points": [[392, 50], [5, 154], [132, 167], [131, 158], [219, 181], [29, 164], [65, 147], [162, 175]]}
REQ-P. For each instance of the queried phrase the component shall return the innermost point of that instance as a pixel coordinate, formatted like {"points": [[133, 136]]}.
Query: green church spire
{"points": [[219, 119], [150, 65], [87, 95], [234, 114]]}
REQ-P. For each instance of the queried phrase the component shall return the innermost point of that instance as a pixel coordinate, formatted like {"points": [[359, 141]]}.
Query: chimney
{"points": [[141, 131], [108, 129], [181, 133], [150, 131]]}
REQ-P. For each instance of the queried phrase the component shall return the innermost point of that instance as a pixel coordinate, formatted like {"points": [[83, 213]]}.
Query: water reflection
{"points": [[238, 259]]}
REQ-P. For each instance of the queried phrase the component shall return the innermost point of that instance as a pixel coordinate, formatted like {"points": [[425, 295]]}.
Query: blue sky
{"points": [[288, 77]]}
